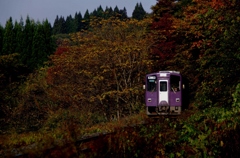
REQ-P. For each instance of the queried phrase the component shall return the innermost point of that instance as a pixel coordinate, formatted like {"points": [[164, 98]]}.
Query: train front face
{"points": [[163, 93]]}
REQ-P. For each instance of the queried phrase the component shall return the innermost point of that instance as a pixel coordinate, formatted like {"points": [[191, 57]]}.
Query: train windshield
{"points": [[151, 83], [175, 83]]}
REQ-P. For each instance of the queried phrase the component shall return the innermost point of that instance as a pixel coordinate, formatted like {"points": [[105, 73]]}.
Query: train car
{"points": [[163, 93]]}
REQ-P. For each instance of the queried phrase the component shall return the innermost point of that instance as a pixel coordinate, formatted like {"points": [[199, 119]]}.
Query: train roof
{"points": [[177, 72], [165, 73]]}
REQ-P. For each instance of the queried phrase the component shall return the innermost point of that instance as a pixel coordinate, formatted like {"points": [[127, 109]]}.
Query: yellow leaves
{"points": [[9, 60], [102, 65], [221, 143]]}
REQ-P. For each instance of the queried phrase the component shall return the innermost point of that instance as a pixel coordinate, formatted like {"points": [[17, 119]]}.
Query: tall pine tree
{"points": [[26, 55], [78, 21], [38, 47], [108, 13], [70, 26], [48, 39], [62, 24], [18, 31], [123, 13], [100, 12], [1, 38], [59, 25], [86, 20], [8, 38], [116, 11], [138, 13], [43, 44], [56, 26]]}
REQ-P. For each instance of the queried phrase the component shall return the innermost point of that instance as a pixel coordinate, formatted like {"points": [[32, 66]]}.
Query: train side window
{"points": [[175, 83], [151, 83], [163, 86]]}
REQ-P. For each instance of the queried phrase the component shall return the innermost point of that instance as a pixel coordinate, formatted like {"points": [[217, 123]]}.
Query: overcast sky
{"points": [[49, 9]]}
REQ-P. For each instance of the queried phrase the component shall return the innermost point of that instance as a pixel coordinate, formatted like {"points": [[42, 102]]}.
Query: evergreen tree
{"points": [[26, 54], [39, 51], [18, 31], [86, 20], [1, 38], [86, 15], [100, 12], [48, 39], [94, 13], [78, 21], [108, 12], [59, 25], [62, 25], [43, 44], [56, 26], [97, 12], [123, 13], [138, 13], [8, 38], [70, 27], [116, 11]]}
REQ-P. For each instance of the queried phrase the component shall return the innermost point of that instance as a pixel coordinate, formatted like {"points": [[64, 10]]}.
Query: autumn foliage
{"points": [[102, 68], [96, 76]]}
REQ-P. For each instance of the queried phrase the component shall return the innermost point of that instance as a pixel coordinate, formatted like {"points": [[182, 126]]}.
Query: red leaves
{"points": [[163, 34], [61, 50], [216, 4]]}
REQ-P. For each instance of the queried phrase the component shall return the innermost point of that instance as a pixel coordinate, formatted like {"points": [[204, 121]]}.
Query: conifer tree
{"points": [[139, 13], [56, 26], [48, 39], [38, 47], [94, 13], [108, 12], [70, 27], [8, 38], [78, 21], [100, 12], [43, 44], [86, 19], [59, 25], [62, 24], [116, 11], [123, 13], [28, 31], [1, 38], [18, 31]]}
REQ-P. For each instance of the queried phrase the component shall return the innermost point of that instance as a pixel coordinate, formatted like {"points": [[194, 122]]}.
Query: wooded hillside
{"points": [[95, 75]]}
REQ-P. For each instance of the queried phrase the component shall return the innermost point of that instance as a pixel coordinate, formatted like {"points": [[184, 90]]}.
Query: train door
{"points": [[163, 93]]}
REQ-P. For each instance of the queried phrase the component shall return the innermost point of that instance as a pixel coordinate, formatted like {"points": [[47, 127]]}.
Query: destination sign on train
{"points": [[151, 77]]}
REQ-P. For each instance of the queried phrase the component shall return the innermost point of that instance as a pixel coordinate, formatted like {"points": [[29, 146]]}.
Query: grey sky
{"points": [[49, 9]]}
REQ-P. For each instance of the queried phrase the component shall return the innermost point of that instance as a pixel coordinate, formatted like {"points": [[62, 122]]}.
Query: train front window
{"points": [[151, 83], [175, 83], [163, 86]]}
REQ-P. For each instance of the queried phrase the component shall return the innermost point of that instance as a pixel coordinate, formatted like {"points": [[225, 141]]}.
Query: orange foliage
{"points": [[60, 50], [216, 4]]}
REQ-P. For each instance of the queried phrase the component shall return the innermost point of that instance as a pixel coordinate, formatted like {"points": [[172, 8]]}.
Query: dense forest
{"points": [[89, 70], [79, 22]]}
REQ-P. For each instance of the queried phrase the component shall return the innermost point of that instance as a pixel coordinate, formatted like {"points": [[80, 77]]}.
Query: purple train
{"points": [[163, 93]]}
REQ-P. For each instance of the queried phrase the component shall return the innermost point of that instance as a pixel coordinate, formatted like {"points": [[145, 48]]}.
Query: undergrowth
{"points": [[212, 132]]}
